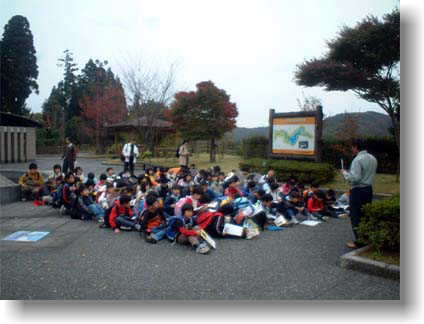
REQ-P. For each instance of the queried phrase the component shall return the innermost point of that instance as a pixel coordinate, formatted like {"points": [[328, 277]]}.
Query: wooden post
{"points": [[318, 135], [270, 135]]}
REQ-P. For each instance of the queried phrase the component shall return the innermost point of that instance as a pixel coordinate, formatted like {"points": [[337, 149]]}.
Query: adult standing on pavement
{"points": [[361, 178], [183, 154], [69, 156], [130, 153]]}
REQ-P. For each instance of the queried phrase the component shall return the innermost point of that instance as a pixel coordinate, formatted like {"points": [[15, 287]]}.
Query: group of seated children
{"points": [[184, 205]]}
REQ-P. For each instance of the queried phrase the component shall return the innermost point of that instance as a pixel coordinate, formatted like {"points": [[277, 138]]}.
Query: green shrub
{"points": [[47, 137], [305, 172], [380, 225], [383, 148]]}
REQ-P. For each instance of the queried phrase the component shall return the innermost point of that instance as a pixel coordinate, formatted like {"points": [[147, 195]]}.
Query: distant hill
{"points": [[371, 123]]}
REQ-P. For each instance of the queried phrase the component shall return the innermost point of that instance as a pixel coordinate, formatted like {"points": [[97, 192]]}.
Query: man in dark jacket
{"points": [[69, 156]]}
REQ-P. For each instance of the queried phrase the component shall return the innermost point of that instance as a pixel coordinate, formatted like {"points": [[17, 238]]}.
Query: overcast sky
{"points": [[248, 48]]}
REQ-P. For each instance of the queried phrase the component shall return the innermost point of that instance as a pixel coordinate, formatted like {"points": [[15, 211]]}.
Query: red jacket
{"points": [[206, 218], [315, 205], [202, 221], [118, 210]]}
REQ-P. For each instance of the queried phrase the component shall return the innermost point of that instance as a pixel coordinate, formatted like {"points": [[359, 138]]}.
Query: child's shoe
{"points": [[150, 239], [294, 220], [202, 248]]}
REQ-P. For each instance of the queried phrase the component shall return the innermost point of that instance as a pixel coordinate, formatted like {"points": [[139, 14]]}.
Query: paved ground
{"points": [[77, 260]]}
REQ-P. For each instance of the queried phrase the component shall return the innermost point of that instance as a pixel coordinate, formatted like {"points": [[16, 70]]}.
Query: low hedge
{"points": [[305, 172], [383, 148], [380, 225]]}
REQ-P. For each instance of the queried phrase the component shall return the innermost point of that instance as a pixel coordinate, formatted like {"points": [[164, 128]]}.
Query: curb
{"points": [[352, 261]]}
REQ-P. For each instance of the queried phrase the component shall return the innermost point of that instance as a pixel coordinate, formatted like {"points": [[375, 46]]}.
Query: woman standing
{"points": [[183, 154]]}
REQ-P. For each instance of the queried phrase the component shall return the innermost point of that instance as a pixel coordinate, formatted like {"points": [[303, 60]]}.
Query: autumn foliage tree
{"points": [[364, 59], [105, 106], [204, 114]]}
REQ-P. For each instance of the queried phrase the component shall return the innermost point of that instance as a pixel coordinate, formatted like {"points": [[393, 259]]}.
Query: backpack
{"points": [[177, 153]]}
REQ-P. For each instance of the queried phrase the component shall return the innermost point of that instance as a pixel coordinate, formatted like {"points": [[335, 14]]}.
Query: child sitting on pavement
{"points": [[194, 200], [83, 203], [121, 215], [152, 220], [184, 230], [31, 183], [69, 195], [316, 206], [295, 206], [171, 201]]}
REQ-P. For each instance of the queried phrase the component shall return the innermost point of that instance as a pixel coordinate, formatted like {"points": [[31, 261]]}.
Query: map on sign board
{"points": [[294, 135]]}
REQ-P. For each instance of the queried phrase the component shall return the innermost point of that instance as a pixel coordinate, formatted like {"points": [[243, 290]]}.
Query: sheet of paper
{"points": [[208, 239], [280, 220], [234, 230], [310, 222], [25, 236]]}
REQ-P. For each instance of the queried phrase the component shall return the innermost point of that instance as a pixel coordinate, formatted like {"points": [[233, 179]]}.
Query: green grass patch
{"points": [[390, 257], [226, 162], [384, 183]]}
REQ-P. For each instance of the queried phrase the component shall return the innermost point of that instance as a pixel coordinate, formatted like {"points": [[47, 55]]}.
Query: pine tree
{"points": [[19, 70]]}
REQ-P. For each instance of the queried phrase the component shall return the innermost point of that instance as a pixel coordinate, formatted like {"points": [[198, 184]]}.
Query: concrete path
{"points": [[78, 260]]}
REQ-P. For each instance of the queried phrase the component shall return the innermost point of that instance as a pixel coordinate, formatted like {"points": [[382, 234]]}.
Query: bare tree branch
{"points": [[149, 90]]}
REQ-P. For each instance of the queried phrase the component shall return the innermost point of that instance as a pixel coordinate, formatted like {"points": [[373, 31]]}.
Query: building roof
{"points": [[7, 119], [140, 122]]}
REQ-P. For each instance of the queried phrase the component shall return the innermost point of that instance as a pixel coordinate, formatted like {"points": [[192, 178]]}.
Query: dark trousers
{"points": [[124, 221], [358, 198], [30, 193], [68, 165], [129, 166], [260, 219]]}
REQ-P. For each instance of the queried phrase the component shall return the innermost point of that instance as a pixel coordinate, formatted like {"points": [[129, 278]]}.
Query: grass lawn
{"points": [[385, 256], [226, 162], [384, 183]]}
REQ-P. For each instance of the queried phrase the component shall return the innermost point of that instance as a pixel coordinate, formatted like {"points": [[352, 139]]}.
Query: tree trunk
{"points": [[396, 129], [397, 137], [212, 151]]}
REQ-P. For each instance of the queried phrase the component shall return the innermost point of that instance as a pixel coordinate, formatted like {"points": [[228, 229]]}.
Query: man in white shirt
{"points": [[130, 153], [361, 178]]}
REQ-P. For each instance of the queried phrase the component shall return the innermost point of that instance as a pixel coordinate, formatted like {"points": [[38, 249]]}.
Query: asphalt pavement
{"points": [[78, 260]]}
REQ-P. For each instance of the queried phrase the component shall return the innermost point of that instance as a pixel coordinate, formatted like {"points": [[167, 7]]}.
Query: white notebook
{"points": [[234, 230]]}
